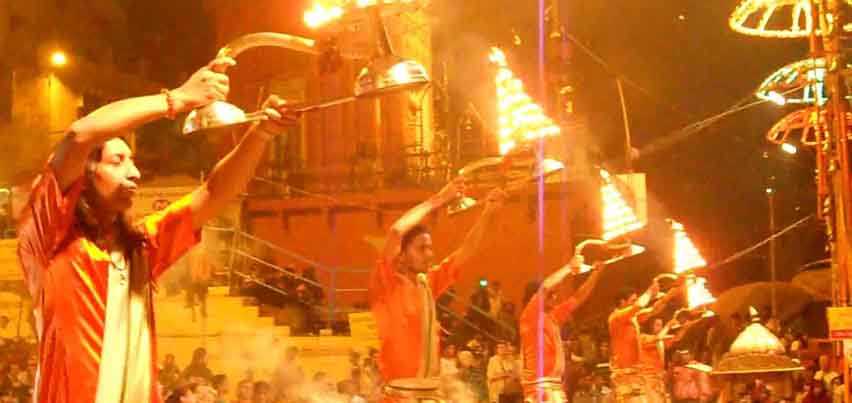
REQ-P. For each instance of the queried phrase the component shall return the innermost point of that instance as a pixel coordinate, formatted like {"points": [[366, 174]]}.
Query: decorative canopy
{"points": [[775, 18], [756, 350], [801, 82]]}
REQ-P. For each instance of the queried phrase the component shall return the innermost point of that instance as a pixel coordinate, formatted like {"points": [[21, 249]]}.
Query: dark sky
{"points": [[689, 64]]}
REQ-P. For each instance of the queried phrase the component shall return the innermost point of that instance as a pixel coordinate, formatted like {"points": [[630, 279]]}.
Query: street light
{"points": [[789, 148], [58, 58]]}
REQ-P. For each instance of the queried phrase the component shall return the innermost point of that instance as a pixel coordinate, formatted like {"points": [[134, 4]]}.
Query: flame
{"points": [[686, 255], [520, 119], [618, 217], [326, 11], [697, 294]]}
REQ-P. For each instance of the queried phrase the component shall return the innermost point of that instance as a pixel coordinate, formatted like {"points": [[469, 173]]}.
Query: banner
{"points": [[839, 322]]}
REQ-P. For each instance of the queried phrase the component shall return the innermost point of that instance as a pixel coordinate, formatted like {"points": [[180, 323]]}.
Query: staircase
{"points": [[238, 338]]}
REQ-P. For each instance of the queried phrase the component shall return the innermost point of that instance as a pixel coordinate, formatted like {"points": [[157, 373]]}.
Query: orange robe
{"points": [[67, 277], [541, 340], [542, 350], [398, 307]]}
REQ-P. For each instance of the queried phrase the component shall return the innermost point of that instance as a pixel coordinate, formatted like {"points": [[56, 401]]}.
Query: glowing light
{"points": [[400, 73], [770, 191], [697, 294], [58, 58], [324, 12], [619, 217], [789, 148], [777, 98], [753, 17], [520, 120], [800, 82], [686, 255]]}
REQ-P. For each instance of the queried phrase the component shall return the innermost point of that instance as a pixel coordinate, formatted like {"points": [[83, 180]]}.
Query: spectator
{"points": [[221, 387], [688, 383], [817, 393], [800, 342], [6, 225], [449, 361], [508, 322], [761, 392], [826, 372], [245, 390], [347, 390], [837, 390], [287, 374], [503, 371], [200, 269], [198, 366], [262, 393], [371, 379], [169, 373], [355, 379], [355, 359], [183, 394], [308, 291], [6, 331], [588, 346], [479, 308], [473, 375], [321, 383], [495, 299], [6, 396], [801, 388], [603, 352], [574, 367]]}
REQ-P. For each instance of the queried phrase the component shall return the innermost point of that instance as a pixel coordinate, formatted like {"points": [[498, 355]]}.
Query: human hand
{"points": [[206, 85], [496, 199], [452, 190], [278, 115]]}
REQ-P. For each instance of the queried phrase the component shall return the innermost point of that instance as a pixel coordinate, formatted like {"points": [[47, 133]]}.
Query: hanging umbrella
{"points": [[791, 299], [815, 279]]}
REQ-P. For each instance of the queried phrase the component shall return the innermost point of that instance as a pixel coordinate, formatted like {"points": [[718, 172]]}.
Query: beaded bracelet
{"points": [[170, 113]]}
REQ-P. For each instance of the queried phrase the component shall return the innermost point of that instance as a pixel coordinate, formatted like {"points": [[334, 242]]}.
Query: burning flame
{"points": [[697, 294], [326, 11], [618, 217], [520, 119], [686, 255]]}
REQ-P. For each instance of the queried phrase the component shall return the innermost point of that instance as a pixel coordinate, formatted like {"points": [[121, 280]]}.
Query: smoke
{"points": [[456, 391]]}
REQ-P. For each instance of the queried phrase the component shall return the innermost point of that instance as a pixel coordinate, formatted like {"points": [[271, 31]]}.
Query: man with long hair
{"points": [[89, 270], [404, 285], [541, 339]]}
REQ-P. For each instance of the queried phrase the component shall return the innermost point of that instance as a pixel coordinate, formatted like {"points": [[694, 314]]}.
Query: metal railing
{"points": [[241, 240]]}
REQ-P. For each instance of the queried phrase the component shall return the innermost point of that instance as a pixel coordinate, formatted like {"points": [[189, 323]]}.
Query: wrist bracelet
{"points": [[170, 112]]}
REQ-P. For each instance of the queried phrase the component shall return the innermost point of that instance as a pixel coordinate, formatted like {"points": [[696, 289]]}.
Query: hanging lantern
{"points": [[520, 120], [686, 255], [619, 218]]}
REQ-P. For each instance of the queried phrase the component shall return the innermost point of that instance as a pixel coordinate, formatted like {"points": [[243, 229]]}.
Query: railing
{"points": [[241, 240]]}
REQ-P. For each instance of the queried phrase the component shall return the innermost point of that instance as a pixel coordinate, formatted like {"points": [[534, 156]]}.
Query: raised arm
{"points": [[493, 202], [416, 215], [563, 310], [124, 116], [658, 306], [231, 174], [557, 277]]}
